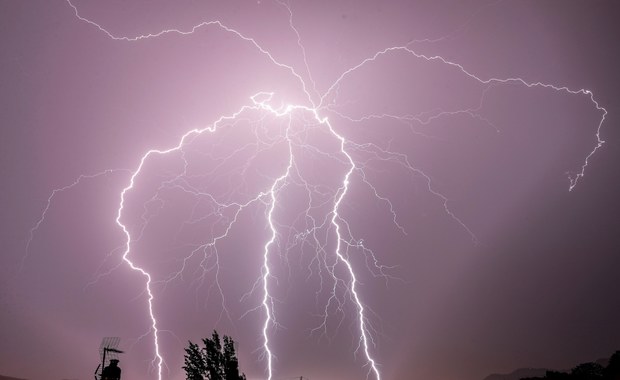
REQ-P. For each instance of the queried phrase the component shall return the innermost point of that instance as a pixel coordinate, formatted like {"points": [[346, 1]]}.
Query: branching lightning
{"points": [[49, 201], [343, 237]]}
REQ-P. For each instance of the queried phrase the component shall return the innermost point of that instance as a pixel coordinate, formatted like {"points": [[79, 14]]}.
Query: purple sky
{"points": [[470, 253]]}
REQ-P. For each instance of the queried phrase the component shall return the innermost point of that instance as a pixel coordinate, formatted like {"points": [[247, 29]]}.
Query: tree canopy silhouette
{"points": [[216, 360], [587, 371]]}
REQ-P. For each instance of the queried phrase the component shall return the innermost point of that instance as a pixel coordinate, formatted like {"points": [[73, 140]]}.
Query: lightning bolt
{"points": [[49, 202], [333, 221], [573, 178]]}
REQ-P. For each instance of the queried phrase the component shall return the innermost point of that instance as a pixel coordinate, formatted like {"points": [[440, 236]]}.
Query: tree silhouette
{"points": [[587, 371], [195, 365], [213, 361], [557, 375], [551, 375], [612, 372]]}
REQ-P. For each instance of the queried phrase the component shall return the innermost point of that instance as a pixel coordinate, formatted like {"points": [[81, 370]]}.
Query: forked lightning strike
{"points": [[334, 221]]}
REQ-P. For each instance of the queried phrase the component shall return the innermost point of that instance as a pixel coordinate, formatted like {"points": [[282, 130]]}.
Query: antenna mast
{"points": [[107, 350]]}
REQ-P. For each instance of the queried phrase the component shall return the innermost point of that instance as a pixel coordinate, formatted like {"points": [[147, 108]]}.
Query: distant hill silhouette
{"points": [[518, 374], [10, 378], [525, 373]]}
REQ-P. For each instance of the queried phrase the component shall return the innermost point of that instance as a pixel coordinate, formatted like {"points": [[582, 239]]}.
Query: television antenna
{"points": [[108, 350]]}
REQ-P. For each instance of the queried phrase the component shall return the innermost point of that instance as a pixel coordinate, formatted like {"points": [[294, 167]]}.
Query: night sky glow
{"points": [[351, 190]]}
